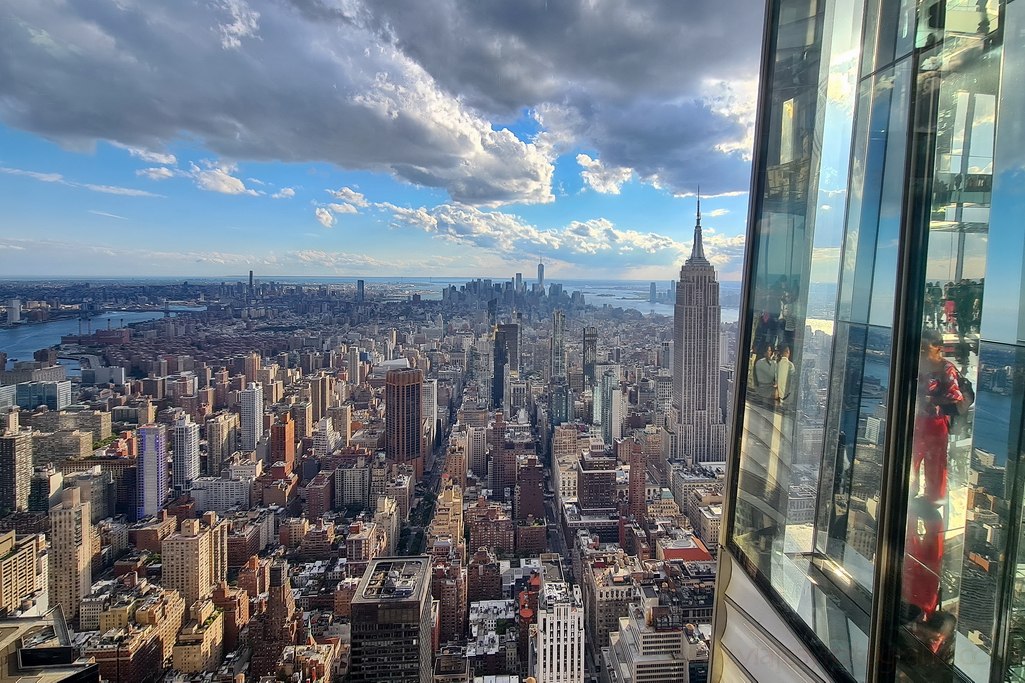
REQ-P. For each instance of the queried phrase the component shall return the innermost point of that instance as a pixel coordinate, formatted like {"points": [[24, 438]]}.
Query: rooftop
{"points": [[395, 578]]}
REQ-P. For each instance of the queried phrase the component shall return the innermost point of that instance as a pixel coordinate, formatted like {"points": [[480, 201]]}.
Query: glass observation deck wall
{"points": [[875, 500]]}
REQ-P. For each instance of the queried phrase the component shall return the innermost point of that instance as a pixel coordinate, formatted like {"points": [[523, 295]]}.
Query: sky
{"points": [[374, 137]]}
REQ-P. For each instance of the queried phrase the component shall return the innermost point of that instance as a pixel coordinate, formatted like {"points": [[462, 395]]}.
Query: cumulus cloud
{"points": [[61, 180], [219, 178], [349, 196], [342, 208], [596, 241], [325, 217], [600, 177], [283, 193]]}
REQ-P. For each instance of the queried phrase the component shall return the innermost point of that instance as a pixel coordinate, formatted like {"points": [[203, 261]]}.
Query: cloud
{"points": [[601, 178], [301, 90], [283, 193], [319, 81], [326, 213], [349, 196], [716, 213], [337, 259], [148, 155], [57, 255], [61, 180], [219, 178], [156, 173], [325, 217], [674, 144], [597, 241], [108, 215], [342, 208], [604, 76], [244, 24]]}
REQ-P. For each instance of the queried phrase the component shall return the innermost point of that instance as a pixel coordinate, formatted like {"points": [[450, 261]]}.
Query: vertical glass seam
{"points": [[758, 153], [901, 397]]}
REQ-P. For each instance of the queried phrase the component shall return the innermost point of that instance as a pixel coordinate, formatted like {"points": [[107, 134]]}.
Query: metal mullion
{"points": [[902, 394], [769, 41]]}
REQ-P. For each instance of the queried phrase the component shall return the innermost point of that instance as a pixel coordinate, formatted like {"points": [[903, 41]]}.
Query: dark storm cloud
{"points": [[410, 88]]}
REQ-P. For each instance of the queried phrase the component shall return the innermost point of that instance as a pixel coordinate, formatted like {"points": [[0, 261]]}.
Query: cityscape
{"points": [[240, 482], [543, 342]]}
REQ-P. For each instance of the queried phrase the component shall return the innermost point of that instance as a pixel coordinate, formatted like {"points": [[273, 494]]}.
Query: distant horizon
{"points": [[386, 278]]}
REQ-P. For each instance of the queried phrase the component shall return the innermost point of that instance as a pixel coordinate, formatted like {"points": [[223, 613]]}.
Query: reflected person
{"points": [[938, 396], [764, 377], [785, 376]]}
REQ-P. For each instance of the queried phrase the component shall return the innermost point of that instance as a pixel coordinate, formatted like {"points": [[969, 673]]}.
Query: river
{"points": [[21, 341]]}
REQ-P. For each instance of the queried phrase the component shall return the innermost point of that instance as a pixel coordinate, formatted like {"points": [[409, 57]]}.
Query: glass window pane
{"points": [[793, 300], [956, 513]]}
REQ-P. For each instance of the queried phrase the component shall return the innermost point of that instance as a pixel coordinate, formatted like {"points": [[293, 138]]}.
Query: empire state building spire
{"points": [[697, 252]]}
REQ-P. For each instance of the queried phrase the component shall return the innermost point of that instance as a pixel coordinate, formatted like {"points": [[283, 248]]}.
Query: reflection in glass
{"points": [[954, 503], [889, 203]]}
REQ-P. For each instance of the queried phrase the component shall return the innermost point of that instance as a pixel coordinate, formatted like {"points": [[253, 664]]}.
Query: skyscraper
{"points": [[392, 622], [221, 440], [354, 368], [15, 469], [611, 404], [71, 553], [506, 356], [251, 418], [558, 359], [557, 646], [282, 440], [696, 363], [322, 388], [429, 406], [872, 531], [360, 291], [403, 419], [561, 401], [541, 275], [185, 453], [590, 355], [152, 476], [251, 364]]}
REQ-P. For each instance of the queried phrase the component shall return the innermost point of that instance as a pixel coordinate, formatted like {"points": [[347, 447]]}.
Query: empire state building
{"points": [[701, 432]]}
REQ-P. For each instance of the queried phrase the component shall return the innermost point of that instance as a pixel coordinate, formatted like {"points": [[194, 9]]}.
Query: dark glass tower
{"points": [[590, 353], [392, 622], [506, 356]]}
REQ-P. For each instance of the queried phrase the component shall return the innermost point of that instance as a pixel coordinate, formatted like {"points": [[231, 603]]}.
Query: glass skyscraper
{"points": [[873, 525]]}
